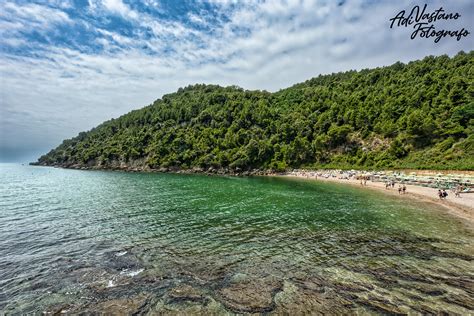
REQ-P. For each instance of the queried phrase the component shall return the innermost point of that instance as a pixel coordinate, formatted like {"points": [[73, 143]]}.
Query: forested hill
{"points": [[415, 115]]}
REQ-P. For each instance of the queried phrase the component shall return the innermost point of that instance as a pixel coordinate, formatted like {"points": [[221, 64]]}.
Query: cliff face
{"points": [[415, 115]]}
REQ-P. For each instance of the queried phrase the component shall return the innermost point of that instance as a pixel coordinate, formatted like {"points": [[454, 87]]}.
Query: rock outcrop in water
{"points": [[418, 115]]}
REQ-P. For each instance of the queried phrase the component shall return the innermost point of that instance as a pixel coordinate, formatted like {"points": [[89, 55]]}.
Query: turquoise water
{"points": [[96, 241]]}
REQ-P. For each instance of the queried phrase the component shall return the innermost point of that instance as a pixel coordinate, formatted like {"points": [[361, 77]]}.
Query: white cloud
{"points": [[118, 6], [114, 7], [196, 18], [30, 17], [152, 3]]}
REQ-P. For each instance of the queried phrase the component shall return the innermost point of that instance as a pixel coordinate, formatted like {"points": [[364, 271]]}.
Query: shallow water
{"points": [[75, 240]]}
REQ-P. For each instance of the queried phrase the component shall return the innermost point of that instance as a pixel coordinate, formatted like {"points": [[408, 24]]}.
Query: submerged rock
{"points": [[355, 287], [461, 300], [122, 261], [121, 306], [250, 295], [186, 293], [58, 310], [301, 299], [429, 289], [381, 305]]}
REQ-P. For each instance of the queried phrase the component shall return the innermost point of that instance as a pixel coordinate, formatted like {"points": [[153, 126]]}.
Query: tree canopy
{"points": [[415, 115]]}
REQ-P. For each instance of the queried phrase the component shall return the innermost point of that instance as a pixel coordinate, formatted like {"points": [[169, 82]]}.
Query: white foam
{"points": [[111, 283], [119, 254]]}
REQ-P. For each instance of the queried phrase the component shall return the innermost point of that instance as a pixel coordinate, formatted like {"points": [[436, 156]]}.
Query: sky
{"points": [[66, 66]]}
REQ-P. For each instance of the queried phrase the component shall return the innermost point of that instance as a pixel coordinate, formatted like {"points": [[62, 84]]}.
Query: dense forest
{"points": [[416, 115]]}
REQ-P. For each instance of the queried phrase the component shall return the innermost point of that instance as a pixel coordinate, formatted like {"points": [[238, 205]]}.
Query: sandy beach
{"points": [[462, 207]]}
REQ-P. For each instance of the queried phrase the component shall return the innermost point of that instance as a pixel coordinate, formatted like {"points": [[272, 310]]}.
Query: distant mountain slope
{"points": [[415, 115]]}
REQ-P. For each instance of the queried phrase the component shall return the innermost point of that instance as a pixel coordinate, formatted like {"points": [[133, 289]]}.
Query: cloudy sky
{"points": [[66, 66]]}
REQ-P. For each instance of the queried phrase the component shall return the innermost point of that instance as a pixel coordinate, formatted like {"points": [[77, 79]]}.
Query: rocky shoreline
{"points": [[141, 168]]}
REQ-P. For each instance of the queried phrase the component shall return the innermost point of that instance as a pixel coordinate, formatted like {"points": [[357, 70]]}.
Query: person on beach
{"points": [[440, 194], [457, 191], [393, 184], [399, 189], [404, 188], [445, 194]]}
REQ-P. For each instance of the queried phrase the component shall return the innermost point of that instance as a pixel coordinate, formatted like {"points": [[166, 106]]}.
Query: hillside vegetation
{"points": [[415, 115]]}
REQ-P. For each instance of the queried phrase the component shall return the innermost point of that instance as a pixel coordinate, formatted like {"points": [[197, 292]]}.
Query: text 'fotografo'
{"points": [[423, 23]]}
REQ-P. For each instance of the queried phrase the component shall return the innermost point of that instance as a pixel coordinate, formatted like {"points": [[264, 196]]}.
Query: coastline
{"points": [[462, 207]]}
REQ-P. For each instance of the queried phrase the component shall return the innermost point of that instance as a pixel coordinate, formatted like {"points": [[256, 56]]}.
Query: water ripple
{"points": [[76, 238]]}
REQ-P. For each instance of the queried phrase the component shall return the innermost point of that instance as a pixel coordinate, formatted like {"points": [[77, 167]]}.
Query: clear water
{"points": [[96, 241]]}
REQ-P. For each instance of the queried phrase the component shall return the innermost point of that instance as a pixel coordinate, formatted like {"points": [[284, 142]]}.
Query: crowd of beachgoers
{"points": [[456, 183]]}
